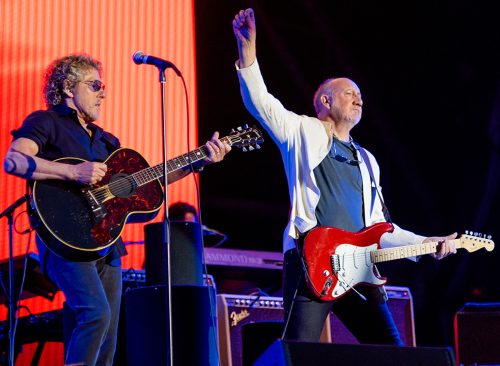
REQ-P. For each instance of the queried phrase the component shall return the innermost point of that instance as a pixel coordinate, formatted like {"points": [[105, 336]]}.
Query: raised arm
{"points": [[245, 32]]}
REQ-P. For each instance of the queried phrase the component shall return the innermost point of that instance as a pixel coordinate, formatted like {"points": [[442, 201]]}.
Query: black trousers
{"points": [[370, 320]]}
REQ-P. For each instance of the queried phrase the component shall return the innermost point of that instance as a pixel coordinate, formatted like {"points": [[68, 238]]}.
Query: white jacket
{"points": [[304, 142]]}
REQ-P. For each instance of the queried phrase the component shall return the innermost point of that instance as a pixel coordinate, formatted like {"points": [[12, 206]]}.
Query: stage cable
{"points": [[23, 278], [212, 300]]}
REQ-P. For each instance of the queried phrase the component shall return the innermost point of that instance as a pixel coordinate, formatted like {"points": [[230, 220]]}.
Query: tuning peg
{"points": [[257, 146], [489, 237], [466, 232], [244, 149], [251, 148], [233, 130], [245, 126], [240, 129]]}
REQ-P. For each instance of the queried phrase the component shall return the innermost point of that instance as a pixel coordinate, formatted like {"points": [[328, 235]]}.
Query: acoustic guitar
{"points": [[87, 220]]}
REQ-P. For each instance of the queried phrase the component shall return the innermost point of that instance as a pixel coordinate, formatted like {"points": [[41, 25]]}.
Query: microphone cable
{"points": [[212, 300]]}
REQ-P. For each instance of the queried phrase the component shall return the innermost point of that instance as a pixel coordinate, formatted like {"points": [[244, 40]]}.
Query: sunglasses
{"points": [[95, 85], [342, 158]]}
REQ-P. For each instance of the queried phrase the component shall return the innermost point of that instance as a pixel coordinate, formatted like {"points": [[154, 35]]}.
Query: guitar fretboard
{"points": [[155, 172], [389, 254]]}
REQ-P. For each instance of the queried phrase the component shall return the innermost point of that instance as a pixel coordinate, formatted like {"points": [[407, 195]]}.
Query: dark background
{"points": [[429, 74]]}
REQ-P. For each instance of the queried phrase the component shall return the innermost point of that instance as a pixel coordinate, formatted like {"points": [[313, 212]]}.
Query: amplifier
{"points": [[477, 334], [400, 304], [239, 315], [134, 278]]}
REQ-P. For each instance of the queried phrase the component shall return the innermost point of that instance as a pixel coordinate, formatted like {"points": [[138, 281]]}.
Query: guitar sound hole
{"points": [[122, 185]]}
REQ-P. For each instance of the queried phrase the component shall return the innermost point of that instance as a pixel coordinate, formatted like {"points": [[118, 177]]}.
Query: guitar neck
{"points": [[156, 172], [389, 254]]}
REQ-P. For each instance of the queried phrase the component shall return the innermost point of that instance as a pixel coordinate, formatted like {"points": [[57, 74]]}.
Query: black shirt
{"points": [[58, 134]]}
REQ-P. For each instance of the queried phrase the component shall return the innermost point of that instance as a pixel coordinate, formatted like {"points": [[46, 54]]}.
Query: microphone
{"points": [[141, 58], [9, 210]]}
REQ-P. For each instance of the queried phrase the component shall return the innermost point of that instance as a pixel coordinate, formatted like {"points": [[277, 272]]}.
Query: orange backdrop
{"points": [[34, 32]]}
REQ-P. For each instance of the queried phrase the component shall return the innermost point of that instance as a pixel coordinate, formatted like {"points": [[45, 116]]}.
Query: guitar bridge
{"points": [[97, 208]]}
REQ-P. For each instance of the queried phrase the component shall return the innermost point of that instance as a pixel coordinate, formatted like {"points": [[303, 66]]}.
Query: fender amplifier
{"points": [[239, 315]]}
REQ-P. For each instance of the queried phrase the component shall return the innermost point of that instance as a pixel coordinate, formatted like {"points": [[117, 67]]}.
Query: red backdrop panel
{"points": [[33, 33]]}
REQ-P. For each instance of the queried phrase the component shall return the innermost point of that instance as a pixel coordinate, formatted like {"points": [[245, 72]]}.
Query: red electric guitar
{"points": [[337, 260]]}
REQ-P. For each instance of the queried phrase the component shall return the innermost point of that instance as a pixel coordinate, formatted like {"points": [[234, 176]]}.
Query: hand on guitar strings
{"points": [[88, 172], [445, 246]]}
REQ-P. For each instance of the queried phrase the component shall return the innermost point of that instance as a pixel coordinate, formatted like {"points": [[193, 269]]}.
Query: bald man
{"points": [[330, 185]]}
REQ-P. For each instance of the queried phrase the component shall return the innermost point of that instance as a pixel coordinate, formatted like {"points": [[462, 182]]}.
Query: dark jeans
{"points": [[370, 320], [93, 291]]}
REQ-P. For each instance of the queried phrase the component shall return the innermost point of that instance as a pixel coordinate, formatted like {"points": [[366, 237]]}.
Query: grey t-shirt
{"points": [[341, 188]]}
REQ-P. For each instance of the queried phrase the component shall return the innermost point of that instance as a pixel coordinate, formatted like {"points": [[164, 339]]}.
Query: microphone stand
{"points": [[9, 213], [166, 227]]}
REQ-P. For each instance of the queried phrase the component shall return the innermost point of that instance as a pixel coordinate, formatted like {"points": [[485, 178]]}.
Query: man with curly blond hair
{"points": [[74, 94]]}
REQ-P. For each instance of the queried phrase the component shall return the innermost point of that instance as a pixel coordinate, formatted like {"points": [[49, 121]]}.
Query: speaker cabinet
{"points": [[193, 325], [400, 304], [185, 254], [288, 353], [241, 316], [477, 334]]}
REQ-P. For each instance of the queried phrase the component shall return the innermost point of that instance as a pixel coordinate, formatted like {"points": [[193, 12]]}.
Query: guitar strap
{"points": [[364, 155], [300, 241], [385, 210]]}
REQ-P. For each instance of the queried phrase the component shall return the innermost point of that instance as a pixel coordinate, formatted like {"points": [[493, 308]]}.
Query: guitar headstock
{"points": [[475, 241], [247, 138]]}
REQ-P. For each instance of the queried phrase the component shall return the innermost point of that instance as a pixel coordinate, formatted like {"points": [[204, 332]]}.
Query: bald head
{"points": [[338, 95]]}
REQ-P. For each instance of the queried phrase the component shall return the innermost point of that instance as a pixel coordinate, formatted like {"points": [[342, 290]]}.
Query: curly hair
{"points": [[70, 68]]}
